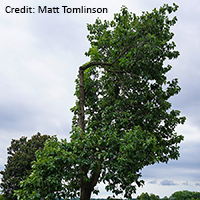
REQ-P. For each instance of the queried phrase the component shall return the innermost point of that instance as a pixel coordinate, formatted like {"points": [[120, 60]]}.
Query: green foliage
{"points": [[180, 195], [146, 196], [54, 168], [154, 197], [18, 167], [185, 195], [143, 196], [128, 122], [165, 198]]}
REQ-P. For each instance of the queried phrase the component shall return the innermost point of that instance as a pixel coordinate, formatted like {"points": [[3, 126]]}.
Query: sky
{"points": [[40, 54]]}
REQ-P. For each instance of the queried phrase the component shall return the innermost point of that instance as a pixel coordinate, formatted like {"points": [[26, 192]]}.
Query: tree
{"points": [[185, 195], [165, 198], [146, 196], [123, 119], [154, 197], [143, 196], [18, 167]]}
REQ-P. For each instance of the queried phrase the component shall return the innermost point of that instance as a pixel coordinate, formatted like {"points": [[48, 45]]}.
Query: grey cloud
{"points": [[57, 32], [153, 182], [15, 116], [20, 117], [197, 184], [186, 183], [167, 183]]}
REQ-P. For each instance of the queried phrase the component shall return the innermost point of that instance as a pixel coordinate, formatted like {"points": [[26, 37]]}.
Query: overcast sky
{"points": [[39, 59]]}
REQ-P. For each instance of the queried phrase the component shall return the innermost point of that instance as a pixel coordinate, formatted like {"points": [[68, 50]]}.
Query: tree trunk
{"points": [[86, 188], [81, 100], [86, 191]]}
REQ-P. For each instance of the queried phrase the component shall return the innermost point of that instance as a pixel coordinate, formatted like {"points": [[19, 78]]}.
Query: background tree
{"points": [[123, 119], [18, 167], [146, 196], [165, 198], [185, 195], [154, 197]]}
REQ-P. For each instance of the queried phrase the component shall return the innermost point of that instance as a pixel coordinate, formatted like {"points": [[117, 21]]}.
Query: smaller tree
{"points": [[185, 195], [18, 167], [154, 197], [146, 196], [165, 198], [143, 196]]}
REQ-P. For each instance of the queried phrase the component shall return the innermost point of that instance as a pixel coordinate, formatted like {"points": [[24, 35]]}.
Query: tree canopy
{"points": [[179, 195], [146, 196], [18, 167], [123, 119], [185, 195]]}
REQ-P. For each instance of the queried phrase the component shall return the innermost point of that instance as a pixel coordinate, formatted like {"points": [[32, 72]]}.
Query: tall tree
{"points": [[123, 119], [18, 167]]}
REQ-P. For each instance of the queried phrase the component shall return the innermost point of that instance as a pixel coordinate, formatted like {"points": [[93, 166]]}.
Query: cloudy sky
{"points": [[39, 59]]}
